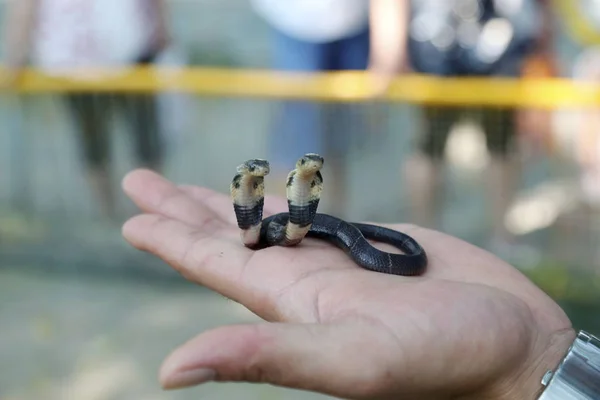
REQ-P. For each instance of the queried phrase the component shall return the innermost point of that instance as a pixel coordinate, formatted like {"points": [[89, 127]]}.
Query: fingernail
{"points": [[189, 378]]}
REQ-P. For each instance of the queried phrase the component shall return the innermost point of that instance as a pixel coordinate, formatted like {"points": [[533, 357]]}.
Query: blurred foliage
{"points": [[563, 283]]}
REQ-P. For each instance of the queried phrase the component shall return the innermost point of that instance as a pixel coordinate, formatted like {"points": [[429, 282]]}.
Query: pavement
{"points": [[73, 338]]}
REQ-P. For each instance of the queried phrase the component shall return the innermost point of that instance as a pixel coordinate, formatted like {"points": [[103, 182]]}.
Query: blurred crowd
{"points": [[511, 38]]}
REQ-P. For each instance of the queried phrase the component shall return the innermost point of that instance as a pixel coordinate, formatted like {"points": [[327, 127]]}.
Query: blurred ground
{"points": [[66, 338]]}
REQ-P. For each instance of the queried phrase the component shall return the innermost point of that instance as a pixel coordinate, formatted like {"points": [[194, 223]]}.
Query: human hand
{"points": [[381, 76], [11, 78], [472, 327], [379, 82]]}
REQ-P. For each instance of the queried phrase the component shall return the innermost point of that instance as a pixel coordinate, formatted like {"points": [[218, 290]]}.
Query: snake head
{"points": [[310, 163], [255, 167]]}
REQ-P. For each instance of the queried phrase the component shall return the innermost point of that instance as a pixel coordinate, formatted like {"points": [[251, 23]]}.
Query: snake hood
{"points": [[256, 167], [309, 164]]}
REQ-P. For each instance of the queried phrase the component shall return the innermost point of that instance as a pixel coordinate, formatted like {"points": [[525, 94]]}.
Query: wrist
{"points": [[525, 383], [578, 375], [547, 356], [549, 361]]}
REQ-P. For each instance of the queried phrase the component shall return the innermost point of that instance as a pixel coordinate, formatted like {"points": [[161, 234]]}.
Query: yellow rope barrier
{"points": [[576, 22], [335, 86]]}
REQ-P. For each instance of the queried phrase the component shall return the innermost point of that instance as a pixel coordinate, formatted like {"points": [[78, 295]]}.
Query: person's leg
{"points": [[297, 128], [140, 111], [503, 172], [90, 122], [423, 170], [345, 122], [352, 53]]}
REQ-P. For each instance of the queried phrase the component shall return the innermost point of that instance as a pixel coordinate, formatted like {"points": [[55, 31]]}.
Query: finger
{"points": [[154, 194], [219, 203], [212, 258], [322, 358], [222, 205]]}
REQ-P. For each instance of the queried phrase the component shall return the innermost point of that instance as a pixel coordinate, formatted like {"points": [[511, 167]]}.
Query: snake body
{"points": [[303, 189]]}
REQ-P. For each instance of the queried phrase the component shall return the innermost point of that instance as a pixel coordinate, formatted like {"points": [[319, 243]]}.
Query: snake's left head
{"points": [[255, 167], [310, 163]]}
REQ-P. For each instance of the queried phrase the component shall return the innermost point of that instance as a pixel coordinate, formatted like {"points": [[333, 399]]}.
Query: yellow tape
{"points": [[335, 86], [580, 27]]}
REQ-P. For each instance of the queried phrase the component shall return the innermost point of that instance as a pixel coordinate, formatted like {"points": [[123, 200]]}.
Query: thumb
{"points": [[339, 360]]}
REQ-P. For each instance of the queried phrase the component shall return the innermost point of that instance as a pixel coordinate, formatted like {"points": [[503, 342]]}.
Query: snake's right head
{"points": [[310, 163], [255, 167]]}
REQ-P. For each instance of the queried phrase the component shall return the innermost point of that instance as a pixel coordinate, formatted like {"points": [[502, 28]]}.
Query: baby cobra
{"points": [[303, 189]]}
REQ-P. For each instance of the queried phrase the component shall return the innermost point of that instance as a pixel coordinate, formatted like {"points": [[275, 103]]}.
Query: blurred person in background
{"points": [[58, 36], [459, 38], [580, 137], [315, 36], [587, 137]]}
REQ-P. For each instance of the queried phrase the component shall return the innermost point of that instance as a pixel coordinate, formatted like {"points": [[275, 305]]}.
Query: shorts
{"points": [[305, 126], [92, 112], [498, 125]]}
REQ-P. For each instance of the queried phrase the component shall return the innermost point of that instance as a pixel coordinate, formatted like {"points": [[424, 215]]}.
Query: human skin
{"points": [[471, 327]]}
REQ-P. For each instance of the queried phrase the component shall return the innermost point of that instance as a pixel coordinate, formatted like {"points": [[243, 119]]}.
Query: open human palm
{"points": [[470, 327]]}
